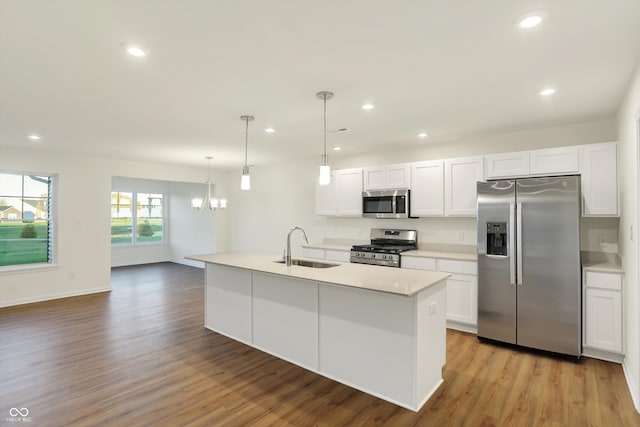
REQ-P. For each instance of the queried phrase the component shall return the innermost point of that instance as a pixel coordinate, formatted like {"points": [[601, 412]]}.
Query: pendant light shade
{"points": [[324, 177], [245, 182], [208, 201]]}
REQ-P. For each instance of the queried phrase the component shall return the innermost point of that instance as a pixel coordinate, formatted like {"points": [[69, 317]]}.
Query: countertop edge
{"points": [[295, 272]]}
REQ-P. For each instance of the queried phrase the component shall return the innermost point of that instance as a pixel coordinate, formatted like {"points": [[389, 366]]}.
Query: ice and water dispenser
{"points": [[497, 238]]}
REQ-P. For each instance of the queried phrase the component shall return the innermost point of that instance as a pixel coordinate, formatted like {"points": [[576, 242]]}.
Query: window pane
{"points": [[149, 214], [10, 185], [25, 236], [36, 186], [121, 218]]}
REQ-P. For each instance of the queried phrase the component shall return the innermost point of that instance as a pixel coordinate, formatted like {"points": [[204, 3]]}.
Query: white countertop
{"points": [[605, 267], [437, 254], [418, 253], [397, 281]]}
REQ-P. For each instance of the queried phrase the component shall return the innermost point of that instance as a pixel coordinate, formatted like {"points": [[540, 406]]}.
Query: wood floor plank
{"points": [[140, 356]]}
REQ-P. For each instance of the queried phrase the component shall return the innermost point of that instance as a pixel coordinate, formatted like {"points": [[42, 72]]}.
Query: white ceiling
{"points": [[448, 67]]}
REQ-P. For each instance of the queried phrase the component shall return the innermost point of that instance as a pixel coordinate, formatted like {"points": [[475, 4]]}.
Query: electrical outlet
{"points": [[432, 307]]}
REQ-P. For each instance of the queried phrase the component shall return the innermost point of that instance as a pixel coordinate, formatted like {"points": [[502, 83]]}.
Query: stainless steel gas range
{"points": [[385, 248]]}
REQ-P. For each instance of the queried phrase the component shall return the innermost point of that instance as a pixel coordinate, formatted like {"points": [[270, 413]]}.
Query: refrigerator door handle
{"points": [[512, 234], [519, 244]]}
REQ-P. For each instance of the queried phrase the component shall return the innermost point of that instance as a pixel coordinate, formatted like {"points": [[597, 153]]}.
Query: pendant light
{"points": [[208, 200], [245, 182], [325, 170]]}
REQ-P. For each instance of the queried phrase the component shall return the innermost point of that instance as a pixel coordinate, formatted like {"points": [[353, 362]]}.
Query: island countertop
{"points": [[397, 281]]}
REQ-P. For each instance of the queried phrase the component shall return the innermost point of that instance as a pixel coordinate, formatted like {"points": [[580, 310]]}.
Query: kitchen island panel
{"points": [[389, 346], [228, 301], [431, 339], [285, 318]]}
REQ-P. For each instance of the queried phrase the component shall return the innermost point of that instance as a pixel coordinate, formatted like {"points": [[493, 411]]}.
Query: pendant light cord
{"points": [[246, 140], [325, 126]]}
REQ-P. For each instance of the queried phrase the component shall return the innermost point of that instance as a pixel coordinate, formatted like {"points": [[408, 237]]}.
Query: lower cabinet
{"points": [[327, 254], [602, 314], [462, 289], [462, 299]]}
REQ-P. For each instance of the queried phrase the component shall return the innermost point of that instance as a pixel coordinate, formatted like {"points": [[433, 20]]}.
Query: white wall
{"points": [[186, 232], [83, 230], [628, 114], [190, 232], [148, 253], [284, 195]]}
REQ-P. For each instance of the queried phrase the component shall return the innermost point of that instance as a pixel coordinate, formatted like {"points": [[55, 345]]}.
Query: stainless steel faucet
{"points": [[287, 255]]}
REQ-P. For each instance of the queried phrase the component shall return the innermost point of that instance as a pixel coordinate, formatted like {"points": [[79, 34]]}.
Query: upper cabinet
{"points": [[563, 160], [599, 179], [460, 185], [387, 177], [448, 187], [343, 196], [427, 188], [507, 165], [552, 161]]}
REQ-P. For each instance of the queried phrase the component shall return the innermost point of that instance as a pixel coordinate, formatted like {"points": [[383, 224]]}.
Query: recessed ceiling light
{"points": [[422, 135], [547, 92], [368, 106], [34, 137], [337, 148], [530, 22], [134, 50], [531, 19], [269, 130]]}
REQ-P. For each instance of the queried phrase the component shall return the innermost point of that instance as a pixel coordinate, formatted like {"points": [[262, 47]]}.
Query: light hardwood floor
{"points": [[140, 356]]}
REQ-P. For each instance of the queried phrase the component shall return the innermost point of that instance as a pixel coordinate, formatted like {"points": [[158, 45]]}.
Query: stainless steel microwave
{"points": [[385, 204]]}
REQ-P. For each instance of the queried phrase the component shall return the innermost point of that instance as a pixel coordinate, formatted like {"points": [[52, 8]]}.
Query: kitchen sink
{"points": [[312, 264]]}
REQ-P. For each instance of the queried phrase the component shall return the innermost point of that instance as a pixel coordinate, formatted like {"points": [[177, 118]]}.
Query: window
{"points": [[136, 218], [26, 219]]}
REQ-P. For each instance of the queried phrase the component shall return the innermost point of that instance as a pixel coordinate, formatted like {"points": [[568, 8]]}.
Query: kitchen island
{"points": [[380, 330]]}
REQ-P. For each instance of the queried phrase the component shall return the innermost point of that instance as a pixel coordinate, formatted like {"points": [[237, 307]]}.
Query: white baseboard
{"points": [[49, 297], [602, 355], [633, 386], [472, 329]]}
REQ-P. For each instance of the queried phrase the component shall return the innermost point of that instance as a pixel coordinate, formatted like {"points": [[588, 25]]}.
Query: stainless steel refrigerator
{"points": [[529, 282]]}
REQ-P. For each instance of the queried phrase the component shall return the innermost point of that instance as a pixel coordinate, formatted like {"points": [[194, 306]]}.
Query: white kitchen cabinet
{"points": [[327, 254], [343, 196], [427, 188], [599, 179], [337, 255], [460, 185], [462, 299], [418, 263], [462, 288], [507, 165], [315, 253], [603, 311], [387, 177], [561, 160], [462, 291]]}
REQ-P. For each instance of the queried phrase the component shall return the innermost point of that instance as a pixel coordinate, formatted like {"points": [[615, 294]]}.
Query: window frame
{"points": [[52, 222], [134, 219]]}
